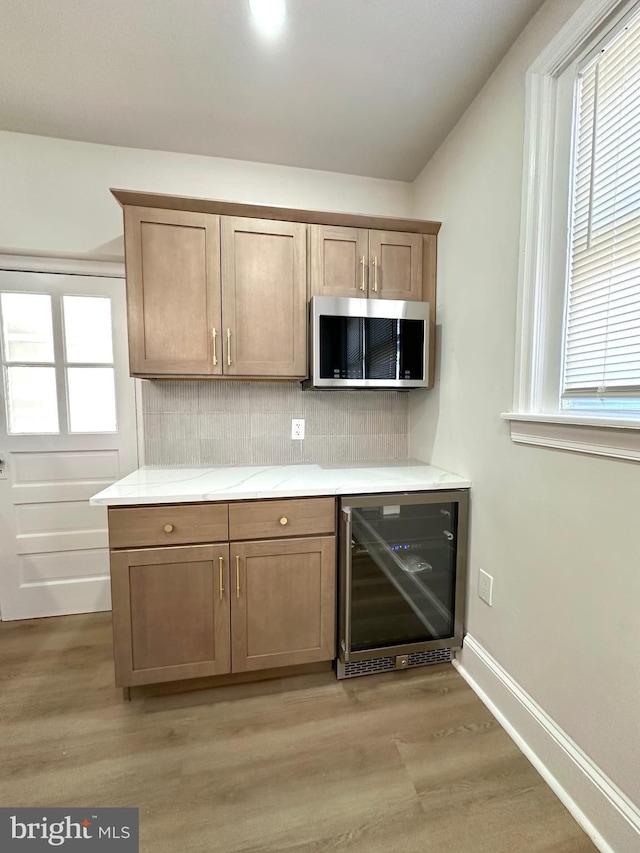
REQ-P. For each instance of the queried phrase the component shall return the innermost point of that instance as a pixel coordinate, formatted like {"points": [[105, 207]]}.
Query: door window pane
{"points": [[32, 401], [92, 399], [26, 327], [87, 329]]}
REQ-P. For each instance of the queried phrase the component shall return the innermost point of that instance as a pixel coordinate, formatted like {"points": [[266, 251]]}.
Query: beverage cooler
{"points": [[402, 579]]}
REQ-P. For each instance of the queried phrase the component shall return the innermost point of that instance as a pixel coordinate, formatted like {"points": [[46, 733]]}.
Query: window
{"points": [[27, 332], [58, 363], [601, 366], [578, 367]]}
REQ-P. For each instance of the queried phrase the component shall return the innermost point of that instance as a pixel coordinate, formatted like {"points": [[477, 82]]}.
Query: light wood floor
{"points": [[407, 762]]}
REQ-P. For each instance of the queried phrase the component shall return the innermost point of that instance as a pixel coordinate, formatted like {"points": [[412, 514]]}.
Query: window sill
{"points": [[617, 438]]}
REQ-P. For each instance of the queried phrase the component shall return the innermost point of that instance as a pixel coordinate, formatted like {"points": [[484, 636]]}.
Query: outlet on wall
{"points": [[485, 587], [297, 429]]}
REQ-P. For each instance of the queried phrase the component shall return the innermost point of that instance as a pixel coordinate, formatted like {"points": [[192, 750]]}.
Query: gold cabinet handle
{"points": [[214, 335], [168, 528], [375, 274], [363, 284], [229, 347], [221, 567], [237, 577], [284, 520]]}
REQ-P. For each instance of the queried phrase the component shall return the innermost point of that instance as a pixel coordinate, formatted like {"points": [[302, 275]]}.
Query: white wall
{"points": [[558, 531], [56, 199]]}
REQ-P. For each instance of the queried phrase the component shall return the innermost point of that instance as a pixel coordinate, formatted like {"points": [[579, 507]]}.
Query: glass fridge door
{"points": [[403, 574]]}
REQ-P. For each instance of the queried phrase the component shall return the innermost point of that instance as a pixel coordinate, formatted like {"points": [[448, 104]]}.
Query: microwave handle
{"points": [[348, 555]]}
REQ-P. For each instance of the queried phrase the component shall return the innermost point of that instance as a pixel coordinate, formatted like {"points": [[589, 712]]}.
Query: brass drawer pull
{"points": [[229, 347], [237, 577], [214, 336], [363, 285], [375, 275], [221, 566], [168, 528], [284, 520]]}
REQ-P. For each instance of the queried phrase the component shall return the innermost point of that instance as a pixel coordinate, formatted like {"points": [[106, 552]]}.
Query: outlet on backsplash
{"points": [[297, 429]]}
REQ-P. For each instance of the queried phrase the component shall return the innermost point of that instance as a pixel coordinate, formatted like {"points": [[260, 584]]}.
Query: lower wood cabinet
{"points": [[196, 610], [171, 616], [284, 603]]}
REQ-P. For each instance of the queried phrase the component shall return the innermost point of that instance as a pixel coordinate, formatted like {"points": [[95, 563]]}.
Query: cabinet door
{"points": [[264, 309], [170, 613], [395, 265], [283, 602], [173, 292], [339, 261]]}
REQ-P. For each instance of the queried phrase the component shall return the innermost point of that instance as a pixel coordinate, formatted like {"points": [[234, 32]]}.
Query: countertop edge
{"points": [[273, 494]]}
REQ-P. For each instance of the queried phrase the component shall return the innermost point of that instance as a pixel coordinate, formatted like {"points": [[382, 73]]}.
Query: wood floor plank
{"points": [[407, 762]]}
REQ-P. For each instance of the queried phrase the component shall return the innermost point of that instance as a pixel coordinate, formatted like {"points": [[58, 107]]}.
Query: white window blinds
{"points": [[602, 335]]}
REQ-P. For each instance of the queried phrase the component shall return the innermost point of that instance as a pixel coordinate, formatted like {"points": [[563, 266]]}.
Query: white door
{"points": [[67, 430]]}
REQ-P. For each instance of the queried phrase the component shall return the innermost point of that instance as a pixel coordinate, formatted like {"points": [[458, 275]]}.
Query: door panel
{"points": [[396, 265], [170, 613], [283, 605], [53, 545], [339, 261], [173, 291], [264, 315]]}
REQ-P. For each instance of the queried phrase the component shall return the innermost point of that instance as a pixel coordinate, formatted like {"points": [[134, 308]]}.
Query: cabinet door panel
{"points": [[283, 604], [339, 261], [173, 291], [264, 297], [170, 613], [396, 265]]}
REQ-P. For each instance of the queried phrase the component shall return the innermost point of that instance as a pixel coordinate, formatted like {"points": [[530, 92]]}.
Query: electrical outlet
{"points": [[485, 587], [297, 429]]}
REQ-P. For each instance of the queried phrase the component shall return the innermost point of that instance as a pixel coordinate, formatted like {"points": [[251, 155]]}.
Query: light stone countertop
{"points": [[157, 485]]}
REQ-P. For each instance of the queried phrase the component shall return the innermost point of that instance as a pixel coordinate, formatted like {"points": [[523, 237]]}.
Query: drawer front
{"points": [[269, 519], [173, 524]]}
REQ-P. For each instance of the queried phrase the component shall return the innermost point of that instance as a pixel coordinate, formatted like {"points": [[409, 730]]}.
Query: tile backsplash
{"points": [[220, 423]]}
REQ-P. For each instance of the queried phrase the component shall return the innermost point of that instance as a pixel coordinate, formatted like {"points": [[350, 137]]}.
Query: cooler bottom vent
{"points": [[369, 667]]}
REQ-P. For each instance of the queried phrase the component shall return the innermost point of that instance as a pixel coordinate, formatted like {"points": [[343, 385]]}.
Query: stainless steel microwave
{"points": [[368, 343]]}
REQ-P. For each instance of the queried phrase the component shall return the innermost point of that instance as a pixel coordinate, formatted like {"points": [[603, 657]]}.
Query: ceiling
{"points": [[366, 87]]}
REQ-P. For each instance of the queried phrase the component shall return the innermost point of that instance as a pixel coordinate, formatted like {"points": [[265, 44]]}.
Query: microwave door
{"points": [[342, 347], [381, 348], [393, 349]]}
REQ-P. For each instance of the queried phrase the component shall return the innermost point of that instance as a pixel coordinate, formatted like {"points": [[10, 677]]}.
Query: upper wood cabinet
{"points": [[198, 309], [396, 265], [360, 263], [173, 291], [264, 314], [339, 261], [219, 289]]}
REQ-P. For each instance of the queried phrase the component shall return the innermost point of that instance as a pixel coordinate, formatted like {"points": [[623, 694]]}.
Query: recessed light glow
{"points": [[268, 14]]}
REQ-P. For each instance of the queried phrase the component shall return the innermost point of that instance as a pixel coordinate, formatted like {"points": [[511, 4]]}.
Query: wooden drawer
{"points": [[173, 524], [269, 519]]}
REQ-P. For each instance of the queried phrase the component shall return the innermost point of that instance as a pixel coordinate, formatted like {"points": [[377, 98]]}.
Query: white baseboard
{"points": [[605, 813]]}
